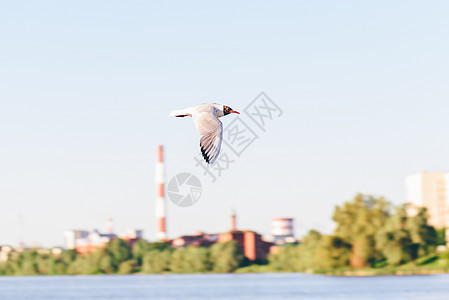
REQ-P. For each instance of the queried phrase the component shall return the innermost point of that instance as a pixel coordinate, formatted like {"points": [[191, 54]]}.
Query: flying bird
{"points": [[205, 117]]}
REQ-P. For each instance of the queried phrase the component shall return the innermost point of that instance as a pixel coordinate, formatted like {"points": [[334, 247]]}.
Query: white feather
{"points": [[205, 117]]}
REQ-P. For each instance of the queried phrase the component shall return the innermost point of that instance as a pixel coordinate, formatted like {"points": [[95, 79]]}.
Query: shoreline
{"points": [[375, 272], [347, 273], [399, 271]]}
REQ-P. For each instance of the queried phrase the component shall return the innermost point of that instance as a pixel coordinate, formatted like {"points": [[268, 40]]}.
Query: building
{"points": [[199, 239], [95, 239], [132, 236], [282, 231], [72, 236], [431, 190], [5, 252], [252, 245], [84, 241]]}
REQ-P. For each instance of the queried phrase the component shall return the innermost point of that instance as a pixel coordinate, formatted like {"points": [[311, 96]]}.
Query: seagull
{"points": [[205, 117]]}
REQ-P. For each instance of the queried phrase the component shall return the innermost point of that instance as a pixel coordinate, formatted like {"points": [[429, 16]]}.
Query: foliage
{"points": [[357, 223], [156, 261], [368, 233], [118, 257], [393, 240], [226, 257], [316, 252]]}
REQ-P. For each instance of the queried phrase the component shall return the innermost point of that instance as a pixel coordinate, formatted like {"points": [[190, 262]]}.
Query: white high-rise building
{"points": [[430, 189], [72, 236]]}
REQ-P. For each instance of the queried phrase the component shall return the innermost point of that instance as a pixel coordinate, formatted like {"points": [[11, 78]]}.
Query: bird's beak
{"points": [[235, 112]]}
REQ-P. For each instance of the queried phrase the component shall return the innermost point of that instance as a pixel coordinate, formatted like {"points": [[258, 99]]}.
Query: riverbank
{"points": [[429, 265], [380, 272], [351, 272]]}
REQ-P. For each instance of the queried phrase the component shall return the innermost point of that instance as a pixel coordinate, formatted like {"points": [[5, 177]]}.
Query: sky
{"points": [[86, 88]]}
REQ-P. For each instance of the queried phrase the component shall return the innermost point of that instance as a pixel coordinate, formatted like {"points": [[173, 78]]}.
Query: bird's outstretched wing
{"points": [[211, 131]]}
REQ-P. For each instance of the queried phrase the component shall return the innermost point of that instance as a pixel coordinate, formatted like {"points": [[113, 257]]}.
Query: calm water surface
{"points": [[224, 286]]}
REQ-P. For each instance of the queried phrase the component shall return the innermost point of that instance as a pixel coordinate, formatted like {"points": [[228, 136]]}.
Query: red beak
{"points": [[235, 112]]}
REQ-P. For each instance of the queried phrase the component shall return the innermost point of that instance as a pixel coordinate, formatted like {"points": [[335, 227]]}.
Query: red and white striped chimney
{"points": [[110, 225], [160, 199]]}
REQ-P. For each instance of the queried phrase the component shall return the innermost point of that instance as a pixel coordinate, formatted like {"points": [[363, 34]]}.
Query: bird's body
{"points": [[205, 117]]}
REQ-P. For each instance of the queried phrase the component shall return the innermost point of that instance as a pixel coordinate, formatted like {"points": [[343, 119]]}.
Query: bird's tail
{"points": [[179, 113]]}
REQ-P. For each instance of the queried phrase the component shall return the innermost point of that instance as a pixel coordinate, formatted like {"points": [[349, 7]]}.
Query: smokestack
{"points": [[21, 243], [160, 200], [233, 222], [110, 225]]}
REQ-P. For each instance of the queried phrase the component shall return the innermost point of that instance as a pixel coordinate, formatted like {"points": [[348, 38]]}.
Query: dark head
{"points": [[227, 110]]}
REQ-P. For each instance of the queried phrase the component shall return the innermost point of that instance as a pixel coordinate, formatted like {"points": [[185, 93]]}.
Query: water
{"points": [[224, 286]]}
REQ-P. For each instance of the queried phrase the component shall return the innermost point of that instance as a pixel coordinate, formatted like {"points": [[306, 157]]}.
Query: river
{"points": [[224, 286]]}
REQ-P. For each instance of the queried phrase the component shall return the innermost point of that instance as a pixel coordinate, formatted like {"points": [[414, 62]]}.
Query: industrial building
{"points": [[84, 241], [431, 190], [282, 231], [253, 246], [199, 239]]}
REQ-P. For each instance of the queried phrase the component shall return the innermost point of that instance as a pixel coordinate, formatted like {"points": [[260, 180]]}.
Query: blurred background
{"points": [[86, 88]]}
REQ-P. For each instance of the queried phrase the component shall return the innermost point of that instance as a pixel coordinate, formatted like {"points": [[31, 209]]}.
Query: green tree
{"points": [[127, 267], [12, 267], [393, 239], [441, 236], [178, 262], [306, 252], [119, 250], [27, 262], [29, 267], [88, 263], [190, 260], [139, 249], [68, 256], [357, 223], [77, 266], [157, 261], [45, 264], [331, 253], [286, 258], [424, 237], [59, 267], [226, 257], [159, 246], [198, 259], [107, 263]]}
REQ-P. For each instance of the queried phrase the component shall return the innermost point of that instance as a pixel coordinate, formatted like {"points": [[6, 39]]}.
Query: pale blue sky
{"points": [[86, 87]]}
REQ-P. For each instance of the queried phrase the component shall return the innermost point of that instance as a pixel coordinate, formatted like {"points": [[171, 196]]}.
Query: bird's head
{"points": [[227, 110]]}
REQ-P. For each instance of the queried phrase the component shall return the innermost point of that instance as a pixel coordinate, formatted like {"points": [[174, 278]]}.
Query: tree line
{"points": [[369, 233], [118, 257]]}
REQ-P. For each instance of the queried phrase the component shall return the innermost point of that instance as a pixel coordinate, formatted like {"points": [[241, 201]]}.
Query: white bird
{"points": [[205, 117]]}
